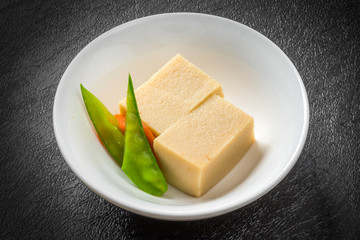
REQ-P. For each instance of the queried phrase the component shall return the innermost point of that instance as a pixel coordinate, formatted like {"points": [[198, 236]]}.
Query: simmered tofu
{"points": [[197, 151], [200, 135]]}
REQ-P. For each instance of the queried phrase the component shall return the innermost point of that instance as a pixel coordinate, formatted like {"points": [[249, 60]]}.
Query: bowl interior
{"points": [[256, 76]]}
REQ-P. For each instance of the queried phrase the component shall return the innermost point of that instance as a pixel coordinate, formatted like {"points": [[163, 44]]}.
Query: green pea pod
{"points": [[105, 125], [139, 161]]}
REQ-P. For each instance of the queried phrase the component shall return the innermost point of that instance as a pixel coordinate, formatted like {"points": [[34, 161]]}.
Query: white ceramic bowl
{"points": [[256, 76]]}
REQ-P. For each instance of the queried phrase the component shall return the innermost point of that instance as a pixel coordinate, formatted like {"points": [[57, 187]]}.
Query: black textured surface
{"points": [[41, 198]]}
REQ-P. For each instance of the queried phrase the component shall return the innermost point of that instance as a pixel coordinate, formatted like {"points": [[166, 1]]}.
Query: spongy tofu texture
{"points": [[186, 81], [201, 148], [159, 109], [172, 92]]}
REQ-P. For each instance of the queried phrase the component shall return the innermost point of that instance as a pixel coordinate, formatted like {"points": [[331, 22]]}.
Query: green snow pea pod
{"points": [[105, 125], [139, 161]]}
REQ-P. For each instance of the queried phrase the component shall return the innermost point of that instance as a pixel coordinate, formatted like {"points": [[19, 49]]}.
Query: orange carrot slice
{"points": [[121, 120], [149, 135]]}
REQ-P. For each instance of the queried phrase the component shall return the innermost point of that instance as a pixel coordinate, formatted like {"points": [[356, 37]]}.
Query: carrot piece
{"points": [[121, 120], [149, 135]]}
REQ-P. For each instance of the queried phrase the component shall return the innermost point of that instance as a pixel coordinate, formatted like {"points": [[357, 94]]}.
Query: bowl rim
{"points": [[170, 213]]}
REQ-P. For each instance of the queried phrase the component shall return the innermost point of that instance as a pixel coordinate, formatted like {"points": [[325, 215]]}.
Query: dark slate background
{"points": [[40, 197]]}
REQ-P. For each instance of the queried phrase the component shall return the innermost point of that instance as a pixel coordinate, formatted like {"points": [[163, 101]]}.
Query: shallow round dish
{"points": [[256, 76]]}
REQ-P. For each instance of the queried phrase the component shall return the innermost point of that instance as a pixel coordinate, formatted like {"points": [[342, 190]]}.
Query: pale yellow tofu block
{"points": [[197, 151], [172, 92]]}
